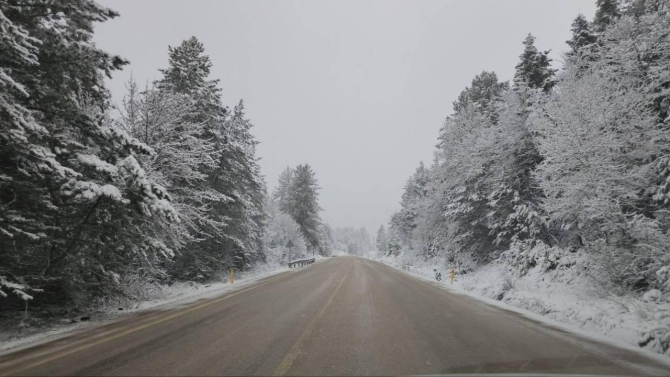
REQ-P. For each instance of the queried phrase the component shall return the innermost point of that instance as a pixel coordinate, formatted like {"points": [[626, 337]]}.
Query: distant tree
{"points": [[282, 231], [534, 70], [414, 193], [283, 194], [607, 12], [382, 240], [638, 8], [304, 204], [352, 241], [365, 242], [326, 240], [582, 35], [482, 95]]}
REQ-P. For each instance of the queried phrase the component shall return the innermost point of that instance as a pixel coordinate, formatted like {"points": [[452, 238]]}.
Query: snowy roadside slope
{"points": [[160, 298], [569, 300]]}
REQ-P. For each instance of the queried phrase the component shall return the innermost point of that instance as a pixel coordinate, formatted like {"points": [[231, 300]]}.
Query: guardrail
{"points": [[301, 262]]}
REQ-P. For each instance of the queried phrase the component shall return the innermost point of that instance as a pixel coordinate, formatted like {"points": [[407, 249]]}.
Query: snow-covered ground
{"points": [[566, 296], [157, 297]]}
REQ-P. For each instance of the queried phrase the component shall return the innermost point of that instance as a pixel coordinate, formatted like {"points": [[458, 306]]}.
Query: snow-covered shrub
{"points": [[523, 256], [653, 295], [656, 340]]}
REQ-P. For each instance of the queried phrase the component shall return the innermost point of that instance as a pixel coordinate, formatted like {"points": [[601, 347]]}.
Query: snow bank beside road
{"points": [[13, 338], [186, 292], [568, 296]]}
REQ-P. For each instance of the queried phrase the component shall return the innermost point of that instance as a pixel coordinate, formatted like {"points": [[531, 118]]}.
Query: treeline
{"points": [[557, 161], [92, 201], [351, 241]]}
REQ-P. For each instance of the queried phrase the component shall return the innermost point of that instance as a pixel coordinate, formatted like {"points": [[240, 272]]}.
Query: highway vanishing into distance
{"points": [[343, 316]]}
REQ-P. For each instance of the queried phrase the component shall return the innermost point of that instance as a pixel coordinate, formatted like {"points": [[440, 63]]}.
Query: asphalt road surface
{"points": [[344, 316]]}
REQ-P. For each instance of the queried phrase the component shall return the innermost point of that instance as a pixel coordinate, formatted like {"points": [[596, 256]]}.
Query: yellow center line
{"points": [[138, 328], [288, 360]]}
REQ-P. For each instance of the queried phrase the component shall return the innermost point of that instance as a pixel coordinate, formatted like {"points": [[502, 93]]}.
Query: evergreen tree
{"points": [[282, 194], [304, 207], [73, 195], [235, 178], [534, 70], [239, 176], [482, 95], [364, 241], [157, 117], [326, 241], [382, 240], [607, 12], [582, 35], [638, 8], [280, 230]]}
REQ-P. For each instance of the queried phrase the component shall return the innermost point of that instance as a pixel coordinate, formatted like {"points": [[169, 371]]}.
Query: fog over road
{"points": [[343, 316]]}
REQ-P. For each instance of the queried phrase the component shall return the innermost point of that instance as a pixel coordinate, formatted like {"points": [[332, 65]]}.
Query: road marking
{"points": [[285, 364], [138, 328]]}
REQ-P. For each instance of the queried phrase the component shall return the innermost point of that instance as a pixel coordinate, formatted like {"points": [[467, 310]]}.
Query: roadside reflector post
{"points": [[232, 276], [452, 275]]}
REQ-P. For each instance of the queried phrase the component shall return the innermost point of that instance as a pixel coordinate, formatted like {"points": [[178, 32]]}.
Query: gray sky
{"points": [[357, 89]]}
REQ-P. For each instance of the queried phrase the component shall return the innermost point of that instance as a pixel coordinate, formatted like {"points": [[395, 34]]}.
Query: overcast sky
{"points": [[357, 89]]}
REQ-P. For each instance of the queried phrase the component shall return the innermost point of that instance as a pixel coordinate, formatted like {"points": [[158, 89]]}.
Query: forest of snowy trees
{"points": [[97, 200], [557, 162], [166, 188]]}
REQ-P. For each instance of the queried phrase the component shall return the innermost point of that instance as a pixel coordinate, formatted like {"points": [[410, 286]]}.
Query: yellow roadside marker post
{"points": [[232, 276], [452, 275]]}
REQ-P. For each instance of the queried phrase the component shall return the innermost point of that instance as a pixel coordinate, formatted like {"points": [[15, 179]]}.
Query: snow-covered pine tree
{"points": [[516, 213], [638, 8], [187, 75], [160, 118], [483, 94], [607, 13], [514, 201], [239, 176], [326, 241], [304, 208], [582, 35], [466, 140], [281, 229], [236, 177], [73, 195], [534, 70], [382, 241], [364, 240], [282, 194], [405, 220]]}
